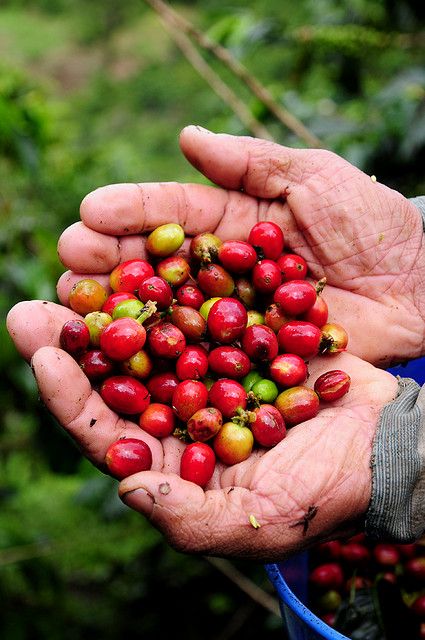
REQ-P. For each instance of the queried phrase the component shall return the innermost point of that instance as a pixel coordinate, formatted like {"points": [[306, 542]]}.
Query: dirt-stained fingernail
{"points": [[140, 500]]}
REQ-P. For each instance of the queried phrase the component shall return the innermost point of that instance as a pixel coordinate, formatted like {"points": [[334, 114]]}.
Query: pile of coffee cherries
{"points": [[359, 585], [212, 348]]}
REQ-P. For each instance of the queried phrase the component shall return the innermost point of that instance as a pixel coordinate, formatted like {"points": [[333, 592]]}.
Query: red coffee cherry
{"points": [[292, 266], [122, 338], [161, 386], [288, 370], [197, 463], [189, 396], [237, 256], [129, 275], [260, 343], [267, 238], [295, 296], [332, 385], [190, 296], [192, 364], [128, 456], [227, 396], [301, 338], [297, 404], [268, 426], [74, 336], [204, 424], [229, 362], [165, 340], [266, 276], [158, 420], [157, 290], [125, 394], [227, 320]]}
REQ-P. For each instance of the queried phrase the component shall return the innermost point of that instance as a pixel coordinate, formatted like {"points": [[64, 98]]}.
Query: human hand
{"points": [[365, 238], [314, 485]]}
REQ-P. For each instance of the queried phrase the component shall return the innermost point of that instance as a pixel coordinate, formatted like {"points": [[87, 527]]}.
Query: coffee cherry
{"points": [[317, 314], [190, 296], [267, 239], [165, 240], [197, 463], [140, 365], [204, 247], [190, 322], [158, 420], [166, 340], [295, 297], [114, 299], [334, 338], [161, 386], [327, 576], [192, 364], [355, 554], [266, 276], [125, 394], [215, 281], [288, 370], [254, 317], [205, 307], [415, 569], [237, 256], [87, 295], [259, 343], [74, 336], [251, 379], [227, 320], [122, 338], [175, 270], [418, 606], [229, 362], [189, 396], [95, 364], [227, 396], [332, 385], [128, 309], [245, 292], [292, 266], [386, 555], [268, 426], [297, 404], [129, 275], [301, 338], [204, 424], [128, 456], [265, 390], [157, 290], [96, 321], [275, 318], [233, 443]]}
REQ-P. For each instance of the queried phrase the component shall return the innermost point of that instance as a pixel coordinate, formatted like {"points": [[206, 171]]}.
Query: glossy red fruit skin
{"points": [[122, 338], [288, 370], [332, 385], [266, 276], [229, 362], [114, 299], [129, 275], [297, 404], [327, 576], [215, 281], [318, 313], [275, 318], [197, 463], [166, 341], [237, 256], [268, 428], [227, 320], [128, 456], [330, 550], [386, 555], [355, 554], [268, 237], [295, 297], [74, 336], [415, 569], [161, 386], [227, 395], [95, 364], [204, 424], [259, 343], [158, 420], [125, 394], [157, 290], [174, 269], [188, 397], [245, 292], [190, 296], [292, 266], [299, 337], [192, 364]]}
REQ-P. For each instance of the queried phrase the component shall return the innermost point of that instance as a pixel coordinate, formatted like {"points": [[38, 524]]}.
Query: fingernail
{"points": [[140, 500], [202, 129]]}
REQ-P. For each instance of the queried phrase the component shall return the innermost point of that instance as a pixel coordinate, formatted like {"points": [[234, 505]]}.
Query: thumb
{"points": [[260, 168], [215, 522]]}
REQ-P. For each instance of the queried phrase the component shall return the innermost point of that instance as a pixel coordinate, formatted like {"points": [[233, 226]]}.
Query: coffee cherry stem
{"points": [[253, 399], [320, 285], [182, 434], [148, 310], [243, 418]]}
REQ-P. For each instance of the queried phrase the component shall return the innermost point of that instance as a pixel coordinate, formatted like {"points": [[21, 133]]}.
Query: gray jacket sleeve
{"points": [[397, 507]]}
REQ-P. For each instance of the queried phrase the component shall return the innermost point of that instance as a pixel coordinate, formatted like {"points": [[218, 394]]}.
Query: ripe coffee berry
{"points": [[129, 275], [227, 320], [128, 456], [237, 256], [301, 338], [157, 290], [297, 404], [166, 341], [267, 238], [332, 385], [122, 338], [268, 426], [158, 420], [192, 364], [295, 297], [125, 394], [227, 396], [190, 296], [260, 343], [74, 336], [204, 424], [229, 362], [266, 276], [197, 463], [189, 396], [293, 267], [288, 370]]}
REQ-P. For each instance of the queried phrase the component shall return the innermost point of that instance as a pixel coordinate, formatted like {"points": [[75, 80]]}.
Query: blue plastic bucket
{"points": [[290, 578]]}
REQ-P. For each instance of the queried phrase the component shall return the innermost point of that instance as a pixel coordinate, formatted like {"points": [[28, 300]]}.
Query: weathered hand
{"points": [[314, 485], [364, 237]]}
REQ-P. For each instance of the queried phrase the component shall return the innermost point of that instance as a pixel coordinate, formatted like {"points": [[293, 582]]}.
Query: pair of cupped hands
{"points": [[366, 239]]}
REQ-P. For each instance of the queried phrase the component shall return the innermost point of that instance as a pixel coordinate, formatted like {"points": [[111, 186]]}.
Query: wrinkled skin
{"points": [[367, 241]]}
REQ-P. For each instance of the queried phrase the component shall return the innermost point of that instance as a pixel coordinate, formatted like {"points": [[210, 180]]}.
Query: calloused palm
{"points": [[365, 238], [322, 467]]}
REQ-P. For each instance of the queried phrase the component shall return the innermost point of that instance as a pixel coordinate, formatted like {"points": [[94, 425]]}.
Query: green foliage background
{"points": [[96, 92]]}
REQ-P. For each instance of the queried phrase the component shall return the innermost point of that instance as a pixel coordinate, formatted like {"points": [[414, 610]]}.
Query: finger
{"points": [[216, 522], [68, 395], [258, 167], [69, 278], [36, 324]]}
